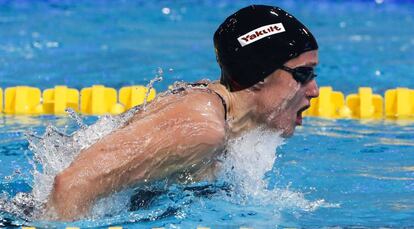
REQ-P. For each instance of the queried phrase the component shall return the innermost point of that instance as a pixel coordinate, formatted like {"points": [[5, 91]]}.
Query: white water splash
{"points": [[150, 85], [54, 151], [244, 166]]}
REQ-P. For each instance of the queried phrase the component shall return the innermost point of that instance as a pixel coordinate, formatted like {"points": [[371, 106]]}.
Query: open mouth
{"points": [[299, 117]]}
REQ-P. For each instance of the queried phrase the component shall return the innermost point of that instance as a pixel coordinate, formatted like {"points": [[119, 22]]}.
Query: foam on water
{"points": [[52, 153], [56, 150], [248, 159]]}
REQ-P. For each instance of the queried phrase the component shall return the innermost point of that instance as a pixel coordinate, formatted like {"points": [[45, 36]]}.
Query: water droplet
{"points": [[166, 10], [157, 78], [37, 45], [73, 115], [52, 44]]}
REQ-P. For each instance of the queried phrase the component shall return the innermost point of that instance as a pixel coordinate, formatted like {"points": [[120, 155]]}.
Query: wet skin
{"points": [[178, 133]]}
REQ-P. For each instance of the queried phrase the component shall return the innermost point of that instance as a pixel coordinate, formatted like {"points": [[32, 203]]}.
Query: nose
{"points": [[312, 90]]}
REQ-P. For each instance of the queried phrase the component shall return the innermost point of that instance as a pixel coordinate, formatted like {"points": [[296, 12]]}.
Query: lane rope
{"points": [[396, 103]]}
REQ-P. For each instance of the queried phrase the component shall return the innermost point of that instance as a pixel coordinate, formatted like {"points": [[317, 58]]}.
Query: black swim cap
{"points": [[255, 41]]}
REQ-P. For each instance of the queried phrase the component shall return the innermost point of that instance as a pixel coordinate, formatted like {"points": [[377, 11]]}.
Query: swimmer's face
{"points": [[281, 99]]}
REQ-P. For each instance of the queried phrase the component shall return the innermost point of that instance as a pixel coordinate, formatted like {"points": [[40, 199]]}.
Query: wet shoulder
{"points": [[206, 107], [205, 103], [188, 111]]}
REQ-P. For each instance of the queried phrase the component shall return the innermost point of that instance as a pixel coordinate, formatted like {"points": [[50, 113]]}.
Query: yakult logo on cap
{"points": [[260, 33]]}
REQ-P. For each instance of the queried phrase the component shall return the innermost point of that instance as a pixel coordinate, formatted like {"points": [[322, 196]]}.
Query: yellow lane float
{"points": [[399, 103], [57, 99], [329, 104], [23, 100], [135, 95], [1, 100], [98, 100], [365, 104]]}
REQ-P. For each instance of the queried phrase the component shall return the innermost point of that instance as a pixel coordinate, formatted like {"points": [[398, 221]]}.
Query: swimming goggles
{"points": [[301, 74]]}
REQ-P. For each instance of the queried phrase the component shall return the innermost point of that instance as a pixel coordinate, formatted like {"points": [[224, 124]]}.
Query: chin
{"points": [[285, 129], [288, 132]]}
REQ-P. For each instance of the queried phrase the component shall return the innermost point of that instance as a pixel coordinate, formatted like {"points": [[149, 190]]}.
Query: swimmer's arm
{"points": [[138, 152]]}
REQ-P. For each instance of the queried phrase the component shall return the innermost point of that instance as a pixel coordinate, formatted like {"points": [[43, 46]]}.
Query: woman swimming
{"points": [[267, 58]]}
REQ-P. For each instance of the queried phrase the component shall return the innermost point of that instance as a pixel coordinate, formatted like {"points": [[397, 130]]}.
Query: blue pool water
{"points": [[331, 173]]}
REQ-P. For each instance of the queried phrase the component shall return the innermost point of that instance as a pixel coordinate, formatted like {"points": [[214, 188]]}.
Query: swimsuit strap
{"points": [[222, 102]]}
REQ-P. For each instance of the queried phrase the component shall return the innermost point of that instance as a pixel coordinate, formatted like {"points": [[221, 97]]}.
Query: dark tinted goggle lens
{"points": [[303, 74]]}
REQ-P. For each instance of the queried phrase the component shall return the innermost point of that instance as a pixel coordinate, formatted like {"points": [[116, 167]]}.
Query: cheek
{"points": [[283, 120], [283, 117], [296, 102], [277, 107], [268, 104], [299, 99]]}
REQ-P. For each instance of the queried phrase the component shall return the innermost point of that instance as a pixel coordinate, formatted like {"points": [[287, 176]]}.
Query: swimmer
{"points": [[267, 60]]}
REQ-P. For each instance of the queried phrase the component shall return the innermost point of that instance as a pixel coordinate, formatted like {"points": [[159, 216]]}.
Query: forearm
{"points": [[97, 171], [77, 187]]}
